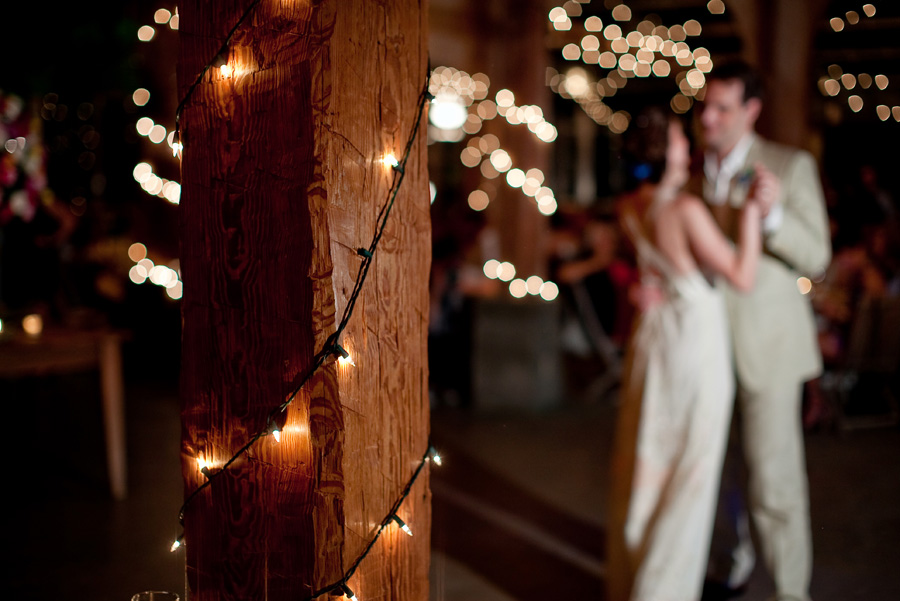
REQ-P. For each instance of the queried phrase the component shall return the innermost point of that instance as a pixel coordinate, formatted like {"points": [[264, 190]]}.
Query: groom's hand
{"points": [[765, 188]]}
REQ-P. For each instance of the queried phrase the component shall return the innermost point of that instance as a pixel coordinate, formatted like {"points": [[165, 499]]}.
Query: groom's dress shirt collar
{"points": [[721, 174]]}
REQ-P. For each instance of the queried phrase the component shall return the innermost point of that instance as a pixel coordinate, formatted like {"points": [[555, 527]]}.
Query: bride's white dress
{"points": [[673, 424]]}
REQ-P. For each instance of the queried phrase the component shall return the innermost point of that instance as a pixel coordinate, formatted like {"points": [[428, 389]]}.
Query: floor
{"points": [[518, 506]]}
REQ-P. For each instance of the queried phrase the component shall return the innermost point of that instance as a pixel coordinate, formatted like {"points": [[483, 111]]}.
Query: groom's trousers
{"points": [[771, 437]]}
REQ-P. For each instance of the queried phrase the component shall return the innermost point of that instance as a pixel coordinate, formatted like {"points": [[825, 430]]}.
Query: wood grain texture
{"points": [[281, 183]]}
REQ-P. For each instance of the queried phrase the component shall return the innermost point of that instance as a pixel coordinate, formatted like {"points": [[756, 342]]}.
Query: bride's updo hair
{"points": [[644, 146]]}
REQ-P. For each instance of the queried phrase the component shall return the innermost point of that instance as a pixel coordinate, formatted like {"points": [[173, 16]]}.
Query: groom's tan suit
{"points": [[775, 352]]}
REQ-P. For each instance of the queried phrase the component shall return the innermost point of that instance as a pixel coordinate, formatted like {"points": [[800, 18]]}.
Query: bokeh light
{"points": [[146, 33], [33, 324], [141, 97]]}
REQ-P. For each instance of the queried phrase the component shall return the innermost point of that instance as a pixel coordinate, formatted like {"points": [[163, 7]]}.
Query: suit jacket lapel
{"points": [[737, 190]]}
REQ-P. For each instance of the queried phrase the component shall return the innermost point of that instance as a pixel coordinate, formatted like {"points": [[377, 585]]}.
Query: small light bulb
{"points": [[402, 525], [226, 70], [436, 457], [391, 160], [176, 148], [348, 593], [175, 545], [276, 433], [33, 324], [343, 355]]}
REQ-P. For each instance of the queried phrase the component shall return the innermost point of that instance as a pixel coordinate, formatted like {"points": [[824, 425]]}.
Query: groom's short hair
{"points": [[739, 70]]}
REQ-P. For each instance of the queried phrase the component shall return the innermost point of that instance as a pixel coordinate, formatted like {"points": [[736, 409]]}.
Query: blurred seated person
{"points": [[867, 264]]}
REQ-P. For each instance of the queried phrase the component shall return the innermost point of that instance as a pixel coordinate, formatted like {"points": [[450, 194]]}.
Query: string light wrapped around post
{"points": [[392, 518], [331, 347]]}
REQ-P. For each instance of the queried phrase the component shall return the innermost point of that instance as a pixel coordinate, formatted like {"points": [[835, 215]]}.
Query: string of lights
{"points": [[852, 18], [331, 347], [342, 586], [647, 49], [837, 80], [219, 59]]}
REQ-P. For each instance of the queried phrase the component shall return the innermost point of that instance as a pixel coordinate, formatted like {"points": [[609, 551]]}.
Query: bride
{"points": [[678, 384]]}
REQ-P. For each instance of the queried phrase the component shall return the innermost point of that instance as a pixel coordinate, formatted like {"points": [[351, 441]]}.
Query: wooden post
{"points": [[282, 182]]}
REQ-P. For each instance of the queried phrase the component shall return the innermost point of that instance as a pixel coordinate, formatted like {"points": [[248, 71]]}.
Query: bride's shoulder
{"points": [[687, 203], [689, 198], [679, 203]]}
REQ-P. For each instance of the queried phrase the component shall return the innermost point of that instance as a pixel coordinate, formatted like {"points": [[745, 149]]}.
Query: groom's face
{"points": [[725, 116]]}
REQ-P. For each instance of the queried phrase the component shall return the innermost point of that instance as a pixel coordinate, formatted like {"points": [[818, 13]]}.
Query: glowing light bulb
{"points": [[517, 288], [276, 434], [348, 593], [137, 251], [141, 96], [402, 525], [448, 111], [226, 70], [533, 284], [343, 354], [175, 545], [33, 324], [390, 160], [549, 291], [146, 33], [436, 457], [344, 357]]}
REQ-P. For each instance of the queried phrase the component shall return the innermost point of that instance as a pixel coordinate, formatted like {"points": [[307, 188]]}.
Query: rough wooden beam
{"points": [[282, 182]]}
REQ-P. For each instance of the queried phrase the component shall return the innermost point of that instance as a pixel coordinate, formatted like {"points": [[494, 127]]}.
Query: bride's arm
{"points": [[712, 248]]}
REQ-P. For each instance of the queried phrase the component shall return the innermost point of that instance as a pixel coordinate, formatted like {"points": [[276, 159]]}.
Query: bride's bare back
{"points": [[685, 232]]}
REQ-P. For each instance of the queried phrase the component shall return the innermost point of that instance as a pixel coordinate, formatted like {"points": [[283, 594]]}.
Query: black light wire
{"points": [[342, 583], [331, 345], [223, 49]]}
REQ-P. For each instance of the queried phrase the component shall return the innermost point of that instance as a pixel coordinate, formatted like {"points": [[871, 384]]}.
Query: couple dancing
{"points": [[722, 319]]}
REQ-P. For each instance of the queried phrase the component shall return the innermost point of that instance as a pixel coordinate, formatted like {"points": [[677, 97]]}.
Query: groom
{"points": [[773, 331]]}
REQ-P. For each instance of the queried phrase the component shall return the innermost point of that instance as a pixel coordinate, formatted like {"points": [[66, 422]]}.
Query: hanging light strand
{"points": [[331, 347], [222, 52], [342, 584]]}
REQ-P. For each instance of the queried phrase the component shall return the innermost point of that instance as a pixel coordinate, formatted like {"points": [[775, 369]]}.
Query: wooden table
{"points": [[62, 351]]}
